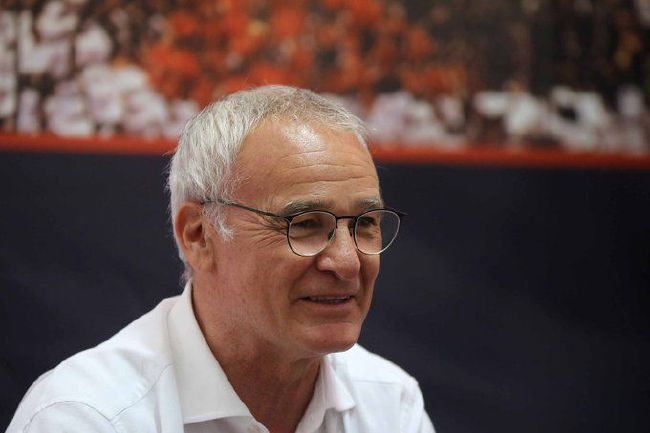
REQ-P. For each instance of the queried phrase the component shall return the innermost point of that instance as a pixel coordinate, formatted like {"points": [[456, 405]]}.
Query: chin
{"points": [[334, 338]]}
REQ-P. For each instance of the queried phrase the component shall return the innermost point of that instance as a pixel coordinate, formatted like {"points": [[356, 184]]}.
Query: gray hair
{"points": [[201, 167]]}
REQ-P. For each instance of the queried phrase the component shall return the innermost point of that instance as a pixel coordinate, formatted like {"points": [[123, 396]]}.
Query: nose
{"points": [[341, 256]]}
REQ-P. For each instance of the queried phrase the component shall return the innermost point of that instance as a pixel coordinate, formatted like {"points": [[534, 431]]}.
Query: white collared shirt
{"points": [[159, 375]]}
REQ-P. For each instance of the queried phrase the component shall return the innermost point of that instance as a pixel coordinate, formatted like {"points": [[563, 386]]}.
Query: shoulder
{"points": [[102, 382], [64, 416]]}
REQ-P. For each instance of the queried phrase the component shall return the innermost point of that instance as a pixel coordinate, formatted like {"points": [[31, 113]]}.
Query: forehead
{"points": [[286, 161]]}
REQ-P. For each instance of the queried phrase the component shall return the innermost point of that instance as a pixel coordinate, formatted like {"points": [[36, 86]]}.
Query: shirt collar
{"points": [[204, 390], [329, 393]]}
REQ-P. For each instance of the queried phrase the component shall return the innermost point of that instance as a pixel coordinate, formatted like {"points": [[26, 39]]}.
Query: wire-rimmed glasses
{"points": [[310, 232]]}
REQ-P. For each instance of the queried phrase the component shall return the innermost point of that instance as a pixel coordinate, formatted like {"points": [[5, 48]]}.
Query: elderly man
{"points": [[279, 221]]}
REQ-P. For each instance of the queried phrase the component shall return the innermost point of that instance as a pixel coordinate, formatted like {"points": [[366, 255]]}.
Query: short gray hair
{"points": [[210, 142]]}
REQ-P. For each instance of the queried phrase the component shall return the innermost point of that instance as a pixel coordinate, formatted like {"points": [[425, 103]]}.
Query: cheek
{"points": [[369, 273], [369, 270], [279, 273]]}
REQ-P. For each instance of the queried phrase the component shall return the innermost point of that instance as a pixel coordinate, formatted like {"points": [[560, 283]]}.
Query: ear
{"points": [[194, 237]]}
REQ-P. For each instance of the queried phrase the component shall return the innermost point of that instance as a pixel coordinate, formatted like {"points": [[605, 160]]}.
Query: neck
{"points": [[277, 393], [275, 386]]}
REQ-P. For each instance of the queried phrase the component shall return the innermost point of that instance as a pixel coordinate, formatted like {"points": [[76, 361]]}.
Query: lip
{"points": [[328, 299], [328, 304], [325, 297]]}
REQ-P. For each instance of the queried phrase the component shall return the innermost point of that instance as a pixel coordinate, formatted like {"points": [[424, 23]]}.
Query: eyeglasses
{"points": [[310, 232]]}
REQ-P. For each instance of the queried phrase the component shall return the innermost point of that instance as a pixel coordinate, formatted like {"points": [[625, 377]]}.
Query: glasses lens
{"points": [[310, 232], [376, 230]]}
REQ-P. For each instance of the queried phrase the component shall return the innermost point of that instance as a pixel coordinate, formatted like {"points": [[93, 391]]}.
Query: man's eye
{"points": [[308, 223], [367, 221]]}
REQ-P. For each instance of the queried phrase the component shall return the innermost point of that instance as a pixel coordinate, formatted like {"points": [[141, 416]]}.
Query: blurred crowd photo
{"points": [[451, 74]]}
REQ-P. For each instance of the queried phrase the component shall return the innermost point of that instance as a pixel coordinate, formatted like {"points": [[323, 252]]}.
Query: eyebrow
{"points": [[297, 206], [370, 203]]}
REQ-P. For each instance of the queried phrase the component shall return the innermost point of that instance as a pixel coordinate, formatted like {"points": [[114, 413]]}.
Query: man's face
{"points": [[272, 298]]}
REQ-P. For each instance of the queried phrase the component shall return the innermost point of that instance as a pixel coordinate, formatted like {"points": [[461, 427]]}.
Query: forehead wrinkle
{"points": [[298, 163], [322, 150], [315, 187], [303, 151], [351, 170], [324, 159]]}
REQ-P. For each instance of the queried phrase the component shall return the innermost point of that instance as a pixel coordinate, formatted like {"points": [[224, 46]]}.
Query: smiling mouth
{"points": [[329, 300]]}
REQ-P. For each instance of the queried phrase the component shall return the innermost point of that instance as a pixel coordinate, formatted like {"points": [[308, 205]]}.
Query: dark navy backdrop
{"points": [[517, 297]]}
